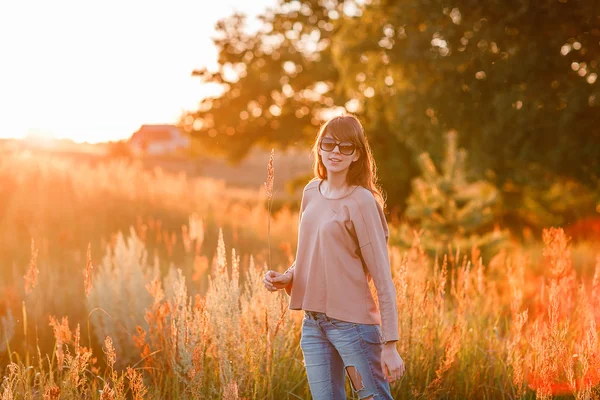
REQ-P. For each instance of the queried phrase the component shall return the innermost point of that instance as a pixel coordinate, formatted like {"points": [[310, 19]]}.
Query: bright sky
{"points": [[96, 70]]}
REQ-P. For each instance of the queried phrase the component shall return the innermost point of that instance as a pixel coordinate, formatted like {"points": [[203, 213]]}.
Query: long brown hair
{"points": [[363, 172]]}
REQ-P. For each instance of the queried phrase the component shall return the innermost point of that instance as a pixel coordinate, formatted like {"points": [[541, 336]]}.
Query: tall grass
{"points": [[71, 210], [140, 323], [462, 334]]}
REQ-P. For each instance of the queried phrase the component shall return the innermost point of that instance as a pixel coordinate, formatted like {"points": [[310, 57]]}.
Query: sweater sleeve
{"points": [[372, 234], [288, 288]]}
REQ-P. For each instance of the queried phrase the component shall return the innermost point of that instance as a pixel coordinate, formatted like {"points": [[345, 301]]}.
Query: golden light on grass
{"points": [[521, 324], [111, 354], [107, 393], [136, 384], [52, 393], [87, 272], [550, 344], [32, 270], [561, 353], [63, 336]]}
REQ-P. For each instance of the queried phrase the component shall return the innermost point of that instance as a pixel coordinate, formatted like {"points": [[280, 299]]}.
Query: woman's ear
{"points": [[356, 156]]}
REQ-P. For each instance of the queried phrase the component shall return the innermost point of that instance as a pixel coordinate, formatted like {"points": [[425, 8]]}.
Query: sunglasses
{"points": [[346, 148]]}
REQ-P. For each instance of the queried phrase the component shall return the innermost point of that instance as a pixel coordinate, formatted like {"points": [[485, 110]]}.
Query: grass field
{"points": [[118, 281]]}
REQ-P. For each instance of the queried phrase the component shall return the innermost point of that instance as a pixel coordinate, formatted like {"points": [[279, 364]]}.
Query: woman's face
{"points": [[337, 156]]}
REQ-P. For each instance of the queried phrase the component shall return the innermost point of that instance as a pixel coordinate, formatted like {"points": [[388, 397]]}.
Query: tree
{"points": [[279, 84], [454, 211], [516, 79], [274, 81]]}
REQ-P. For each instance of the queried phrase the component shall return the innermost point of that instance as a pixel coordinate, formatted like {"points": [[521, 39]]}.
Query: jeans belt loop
{"points": [[312, 315]]}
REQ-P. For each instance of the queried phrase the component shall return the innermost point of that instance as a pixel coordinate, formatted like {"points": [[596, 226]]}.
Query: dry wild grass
{"points": [[71, 373], [225, 343], [504, 329], [30, 278], [108, 197], [96, 196], [85, 204], [561, 349], [463, 334], [118, 297]]}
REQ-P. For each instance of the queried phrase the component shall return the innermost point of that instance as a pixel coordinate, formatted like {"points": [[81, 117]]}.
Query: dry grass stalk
{"points": [[563, 354], [7, 394], [87, 272], [107, 393], [269, 190], [32, 270], [77, 365], [452, 348], [270, 176], [136, 384], [221, 260], [222, 304], [231, 391], [515, 352], [111, 355], [52, 392], [156, 318], [63, 336]]}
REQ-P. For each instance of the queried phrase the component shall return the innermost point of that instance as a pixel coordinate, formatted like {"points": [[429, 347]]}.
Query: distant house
{"points": [[158, 140]]}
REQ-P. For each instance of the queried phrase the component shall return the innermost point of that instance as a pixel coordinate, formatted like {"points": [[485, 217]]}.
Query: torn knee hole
{"points": [[355, 378]]}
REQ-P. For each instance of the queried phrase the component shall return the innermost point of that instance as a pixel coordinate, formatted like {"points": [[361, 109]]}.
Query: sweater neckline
{"points": [[335, 198]]}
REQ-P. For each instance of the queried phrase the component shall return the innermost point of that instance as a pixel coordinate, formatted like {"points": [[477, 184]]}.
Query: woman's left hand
{"points": [[391, 362]]}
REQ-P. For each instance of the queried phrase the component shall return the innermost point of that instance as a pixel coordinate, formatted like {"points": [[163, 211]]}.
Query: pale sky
{"points": [[97, 70]]}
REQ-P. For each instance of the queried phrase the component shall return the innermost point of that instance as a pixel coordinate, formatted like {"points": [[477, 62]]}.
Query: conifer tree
{"points": [[452, 211]]}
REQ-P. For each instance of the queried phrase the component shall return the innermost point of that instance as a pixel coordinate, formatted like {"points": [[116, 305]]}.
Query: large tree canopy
{"points": [[274, 81], [516, 79]]}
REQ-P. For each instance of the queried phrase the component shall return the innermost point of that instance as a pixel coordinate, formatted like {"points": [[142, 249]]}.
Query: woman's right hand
{"points": [[275, 281]]}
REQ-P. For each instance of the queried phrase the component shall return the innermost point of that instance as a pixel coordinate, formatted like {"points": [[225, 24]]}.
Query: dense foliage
{"points": [[517, 80]]}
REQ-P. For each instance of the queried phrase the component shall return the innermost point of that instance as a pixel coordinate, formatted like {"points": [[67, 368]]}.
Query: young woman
{"points": [[342, 245]]}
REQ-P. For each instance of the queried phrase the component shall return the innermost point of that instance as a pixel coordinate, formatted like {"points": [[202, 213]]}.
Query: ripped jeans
{"points": [[331, 347]]}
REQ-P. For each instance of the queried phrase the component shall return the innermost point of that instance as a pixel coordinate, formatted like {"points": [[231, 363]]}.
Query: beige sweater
{"points": [[342, 244]]}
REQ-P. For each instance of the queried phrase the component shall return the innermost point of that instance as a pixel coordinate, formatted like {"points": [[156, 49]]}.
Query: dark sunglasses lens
{"points": [[327, 145], [347, 148]]}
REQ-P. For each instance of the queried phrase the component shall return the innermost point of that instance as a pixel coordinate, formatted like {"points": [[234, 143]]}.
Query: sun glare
{"points": [[94, 72]]}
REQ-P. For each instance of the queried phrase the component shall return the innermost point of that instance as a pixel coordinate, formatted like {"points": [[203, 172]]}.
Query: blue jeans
{"points": [[331, 347]]}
